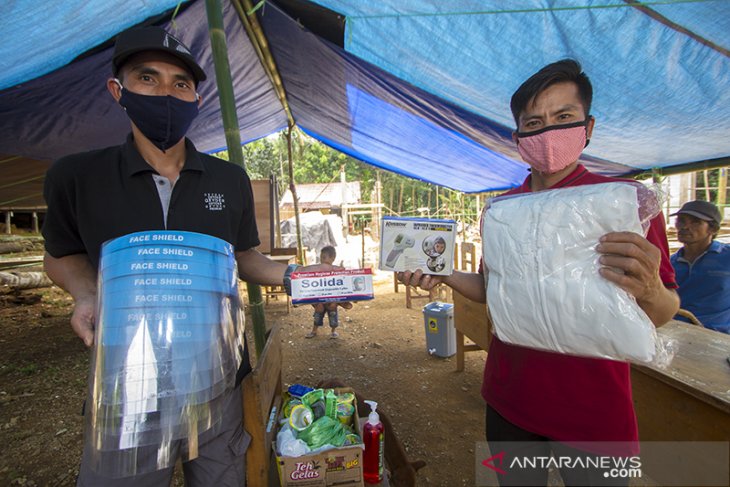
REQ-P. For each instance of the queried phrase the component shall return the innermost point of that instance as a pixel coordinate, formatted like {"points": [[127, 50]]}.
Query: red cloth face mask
{"points": [[552, 148]]}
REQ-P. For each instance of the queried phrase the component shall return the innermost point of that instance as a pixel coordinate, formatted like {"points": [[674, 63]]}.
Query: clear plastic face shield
{"points": [[168, 344]]}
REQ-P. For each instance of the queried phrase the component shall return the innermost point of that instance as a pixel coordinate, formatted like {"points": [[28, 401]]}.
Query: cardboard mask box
{"points": [[407, 244], [338, 466], [331, 286]]}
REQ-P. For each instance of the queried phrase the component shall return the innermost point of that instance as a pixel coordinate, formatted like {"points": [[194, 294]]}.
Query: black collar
{"points": [[136, 164]]}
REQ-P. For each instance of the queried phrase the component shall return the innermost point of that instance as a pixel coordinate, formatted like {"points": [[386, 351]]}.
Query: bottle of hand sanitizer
{"points": [[373, 435]]}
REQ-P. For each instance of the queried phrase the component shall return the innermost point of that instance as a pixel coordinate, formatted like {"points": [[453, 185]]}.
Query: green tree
{"points": [[315, 162]]}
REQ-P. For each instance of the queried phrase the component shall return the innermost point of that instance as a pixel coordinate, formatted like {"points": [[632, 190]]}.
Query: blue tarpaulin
{"points": [[661, 74], [422, 87], [70, 110]]}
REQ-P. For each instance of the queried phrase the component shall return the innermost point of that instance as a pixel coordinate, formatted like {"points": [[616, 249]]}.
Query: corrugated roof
{"points": [[323, 195]]}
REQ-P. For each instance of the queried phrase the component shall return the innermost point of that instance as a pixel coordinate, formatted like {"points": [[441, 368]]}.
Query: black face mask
{"points": [[164, 120]]}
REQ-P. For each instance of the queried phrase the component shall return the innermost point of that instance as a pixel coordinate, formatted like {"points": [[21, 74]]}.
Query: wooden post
{"points": [[343, 205], [295, 198], [400, 198], [722, 189], [35, 222], [378, 209], [362, 232], [478, 209], [438, 203], [8, 215]]}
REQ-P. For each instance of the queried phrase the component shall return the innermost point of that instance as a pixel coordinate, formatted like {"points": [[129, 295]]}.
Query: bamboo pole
{"points": [[233, 141]]}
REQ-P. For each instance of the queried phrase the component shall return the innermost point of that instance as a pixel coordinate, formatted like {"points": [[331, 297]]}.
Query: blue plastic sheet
{"points": [[69, 110], [662, 97], [422, 88]]}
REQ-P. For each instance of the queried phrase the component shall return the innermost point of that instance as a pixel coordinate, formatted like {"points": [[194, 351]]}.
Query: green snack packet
{"points": [[311, 397], [330, 404]]}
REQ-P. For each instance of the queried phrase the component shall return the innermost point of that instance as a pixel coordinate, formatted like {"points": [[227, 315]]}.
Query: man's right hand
{"points": [[419, 279], [470, 284], [75, 274], [82, 319]]}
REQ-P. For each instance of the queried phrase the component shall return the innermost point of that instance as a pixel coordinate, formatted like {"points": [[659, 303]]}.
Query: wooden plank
{"points": [[269, 374], [256, 457], [261, 390]]}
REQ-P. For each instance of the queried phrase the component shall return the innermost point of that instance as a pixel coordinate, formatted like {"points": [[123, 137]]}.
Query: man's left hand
{"points": [[632, 262]]}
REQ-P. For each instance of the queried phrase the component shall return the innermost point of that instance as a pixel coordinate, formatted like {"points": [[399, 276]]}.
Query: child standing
{"points": [[327, 255]]}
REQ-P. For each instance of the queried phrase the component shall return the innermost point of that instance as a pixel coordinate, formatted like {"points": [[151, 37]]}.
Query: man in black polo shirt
{"points": [[156, 180]]}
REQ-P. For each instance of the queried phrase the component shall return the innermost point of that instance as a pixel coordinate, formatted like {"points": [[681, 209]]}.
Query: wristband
{"points": [[287, 277]]}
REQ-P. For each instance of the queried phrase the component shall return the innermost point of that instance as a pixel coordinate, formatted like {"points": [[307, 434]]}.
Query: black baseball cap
{"points": [[702, 210], [141, 39]]}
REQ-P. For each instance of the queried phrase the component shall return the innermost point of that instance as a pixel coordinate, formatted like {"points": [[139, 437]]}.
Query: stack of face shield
{"points": [[169, 340]]}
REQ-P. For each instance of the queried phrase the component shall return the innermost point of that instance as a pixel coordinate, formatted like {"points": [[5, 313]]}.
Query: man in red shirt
{"points": [[548, 401]]}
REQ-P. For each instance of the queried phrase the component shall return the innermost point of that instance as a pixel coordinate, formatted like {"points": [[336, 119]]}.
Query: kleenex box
{"points": [[408, 244], [331, 286]]}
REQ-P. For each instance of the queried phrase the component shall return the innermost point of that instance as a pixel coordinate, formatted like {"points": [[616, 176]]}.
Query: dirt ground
{"points": [[437, 412]]}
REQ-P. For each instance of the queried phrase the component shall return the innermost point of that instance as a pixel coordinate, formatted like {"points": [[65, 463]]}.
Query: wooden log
{"points": [[9, 247], [24, 280]]}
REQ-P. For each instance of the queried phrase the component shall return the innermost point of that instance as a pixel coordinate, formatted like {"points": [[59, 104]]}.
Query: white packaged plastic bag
{"points": [[544, 290]]}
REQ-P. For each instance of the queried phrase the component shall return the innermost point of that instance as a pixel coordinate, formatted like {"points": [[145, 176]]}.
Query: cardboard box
{"points": [[408, 244], [336, 467], [331, 286]]}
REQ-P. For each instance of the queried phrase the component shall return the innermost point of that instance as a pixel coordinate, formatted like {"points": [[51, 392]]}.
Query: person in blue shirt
{"points": [[702, 265]]}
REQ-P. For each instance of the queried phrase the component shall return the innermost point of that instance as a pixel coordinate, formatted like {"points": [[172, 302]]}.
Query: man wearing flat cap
{"points": [[702, 265], [157, 180]]}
